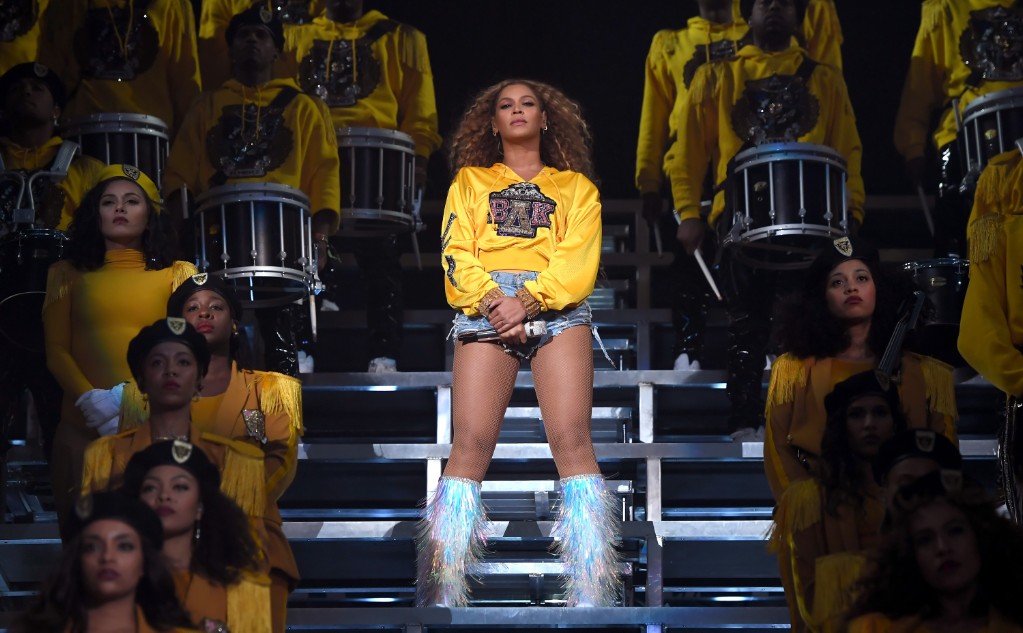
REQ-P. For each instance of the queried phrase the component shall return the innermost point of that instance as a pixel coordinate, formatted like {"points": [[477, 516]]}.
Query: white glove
{"points": [[101, 408]]}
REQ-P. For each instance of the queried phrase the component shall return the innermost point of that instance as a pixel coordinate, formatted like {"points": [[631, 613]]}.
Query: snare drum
{"points": [[25, 257], [115, 137], [258, 236], [944, 283], [991, 124], [377, 181], [788, 200]]}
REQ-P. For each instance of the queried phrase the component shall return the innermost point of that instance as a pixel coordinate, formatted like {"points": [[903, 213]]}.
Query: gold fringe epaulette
{"points": [[248, 604], [799, 508], [834, 583], [705, 81], [181, 272], [281, 393], [940, 392], [99, 462], [134, 408], [983, 236], [59, 279], [243, 477], [787, 374]]}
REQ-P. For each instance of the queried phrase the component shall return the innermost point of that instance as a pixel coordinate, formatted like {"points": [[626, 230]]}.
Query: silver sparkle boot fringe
{"points": [[585, 533], [450, 543]]}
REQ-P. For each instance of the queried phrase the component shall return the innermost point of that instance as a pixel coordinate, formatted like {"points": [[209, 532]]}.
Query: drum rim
{"points": [[243, 192], [986, 103], [782, 230], [756, 155], [36, 232], [372, 131], [921, 264], [106, 122]]}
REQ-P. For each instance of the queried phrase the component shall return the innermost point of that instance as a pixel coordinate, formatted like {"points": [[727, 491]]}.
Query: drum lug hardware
{"points": [[224, 257], [283, 255], [253, 253], [802, 212]]}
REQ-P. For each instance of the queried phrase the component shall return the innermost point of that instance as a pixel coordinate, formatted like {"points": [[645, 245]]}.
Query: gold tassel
{"points": [[983, 236], [704, 83], [99, 463], [799, 508], [134, 408], [58, 282], [282, 393], [834, 589], [242, 478], [787, 373], [929, 14], [940, 388], [248, 604], [181, 272]]}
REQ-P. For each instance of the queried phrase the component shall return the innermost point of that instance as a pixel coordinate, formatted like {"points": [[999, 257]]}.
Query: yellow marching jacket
{"points": [[991, 334], [719, 119], [493, 220]]}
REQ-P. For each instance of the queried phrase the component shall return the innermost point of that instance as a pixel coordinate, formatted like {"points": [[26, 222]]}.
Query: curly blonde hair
{"points": [[566, 145]]}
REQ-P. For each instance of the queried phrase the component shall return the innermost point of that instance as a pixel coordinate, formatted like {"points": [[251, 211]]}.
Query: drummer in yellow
{"points": [[26, 26], [821, 31], [964, 49], [773, 92], [991, 332], [33, 96]]}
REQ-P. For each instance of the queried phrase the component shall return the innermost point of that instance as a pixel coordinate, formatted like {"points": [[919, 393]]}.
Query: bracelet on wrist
{"points": [[529, 302], [484, 304]]}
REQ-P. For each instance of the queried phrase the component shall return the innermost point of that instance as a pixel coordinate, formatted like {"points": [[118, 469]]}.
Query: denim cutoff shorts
{"points": [[557, 320]]}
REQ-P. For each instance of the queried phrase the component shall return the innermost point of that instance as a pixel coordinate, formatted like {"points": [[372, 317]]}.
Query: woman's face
{"points": [[173, 493], [850, 293], [946, 548], [518, 114], [210, 315], [123, 213], [170, 376], [112, 560], [868, 423]]}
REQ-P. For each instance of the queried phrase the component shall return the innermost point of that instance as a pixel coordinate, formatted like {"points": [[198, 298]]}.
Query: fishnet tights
{"points": [[483, 377]]}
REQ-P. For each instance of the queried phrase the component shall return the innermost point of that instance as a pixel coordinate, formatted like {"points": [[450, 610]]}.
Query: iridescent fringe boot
{"points": [[450, 543], [585, 534]]}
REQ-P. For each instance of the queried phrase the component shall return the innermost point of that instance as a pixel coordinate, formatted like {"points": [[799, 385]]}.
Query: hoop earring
{"points": [[544, 128], [493, 131]]}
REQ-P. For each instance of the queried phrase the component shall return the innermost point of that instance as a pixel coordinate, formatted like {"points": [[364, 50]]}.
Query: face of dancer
{"points": [[946, 548], [31, 101], [344, 11], [171, 376], [112, 560], [173, 493], [851, 294], [774, 21], [253, 47], [518, 114], [123, 214], [868, 423], [905, 472], [210, 315]]}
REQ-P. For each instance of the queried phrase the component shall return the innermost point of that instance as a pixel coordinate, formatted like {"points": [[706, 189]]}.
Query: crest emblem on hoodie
{"points": [[520, 210], [340, 72], [775, 109], [117, 43], [249, 140], [992, 44]]}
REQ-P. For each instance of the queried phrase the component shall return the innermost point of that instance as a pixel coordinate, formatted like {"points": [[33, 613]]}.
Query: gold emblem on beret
{"points": [[952, 480], [131, 171], [844, 246], [40, 70], [83, 508], [176, 325], [181, 451], [200, 279], [266, 14], [925, 441]]}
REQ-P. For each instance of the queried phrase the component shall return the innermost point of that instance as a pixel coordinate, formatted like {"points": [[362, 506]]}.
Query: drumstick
{"points": [[927, 210], [706, 273], [312, 315], [657, 238], [184, 202], [417, 206]]}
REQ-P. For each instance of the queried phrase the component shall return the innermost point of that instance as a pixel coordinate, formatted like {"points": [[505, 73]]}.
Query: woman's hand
{"points": [[505, 314]]}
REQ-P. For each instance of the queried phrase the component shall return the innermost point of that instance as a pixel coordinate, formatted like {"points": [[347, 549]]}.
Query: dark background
{"points": [[595, 52]]}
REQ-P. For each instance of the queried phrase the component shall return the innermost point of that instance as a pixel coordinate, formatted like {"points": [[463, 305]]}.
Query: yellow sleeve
{"points": [[98, 464], [780, 463], [321, 164], [466, 281], [179, 46], [797, 535], [188, 150], [659, 93], [823, 32], [572, 270], [696, 119], [281, 401], [248, 604], [844, 137], [870, 623], [985, 338], [923, 92], [57, 329], [417, 105], [214, 63], [939, 391], [242, 477], [134, 409]]}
